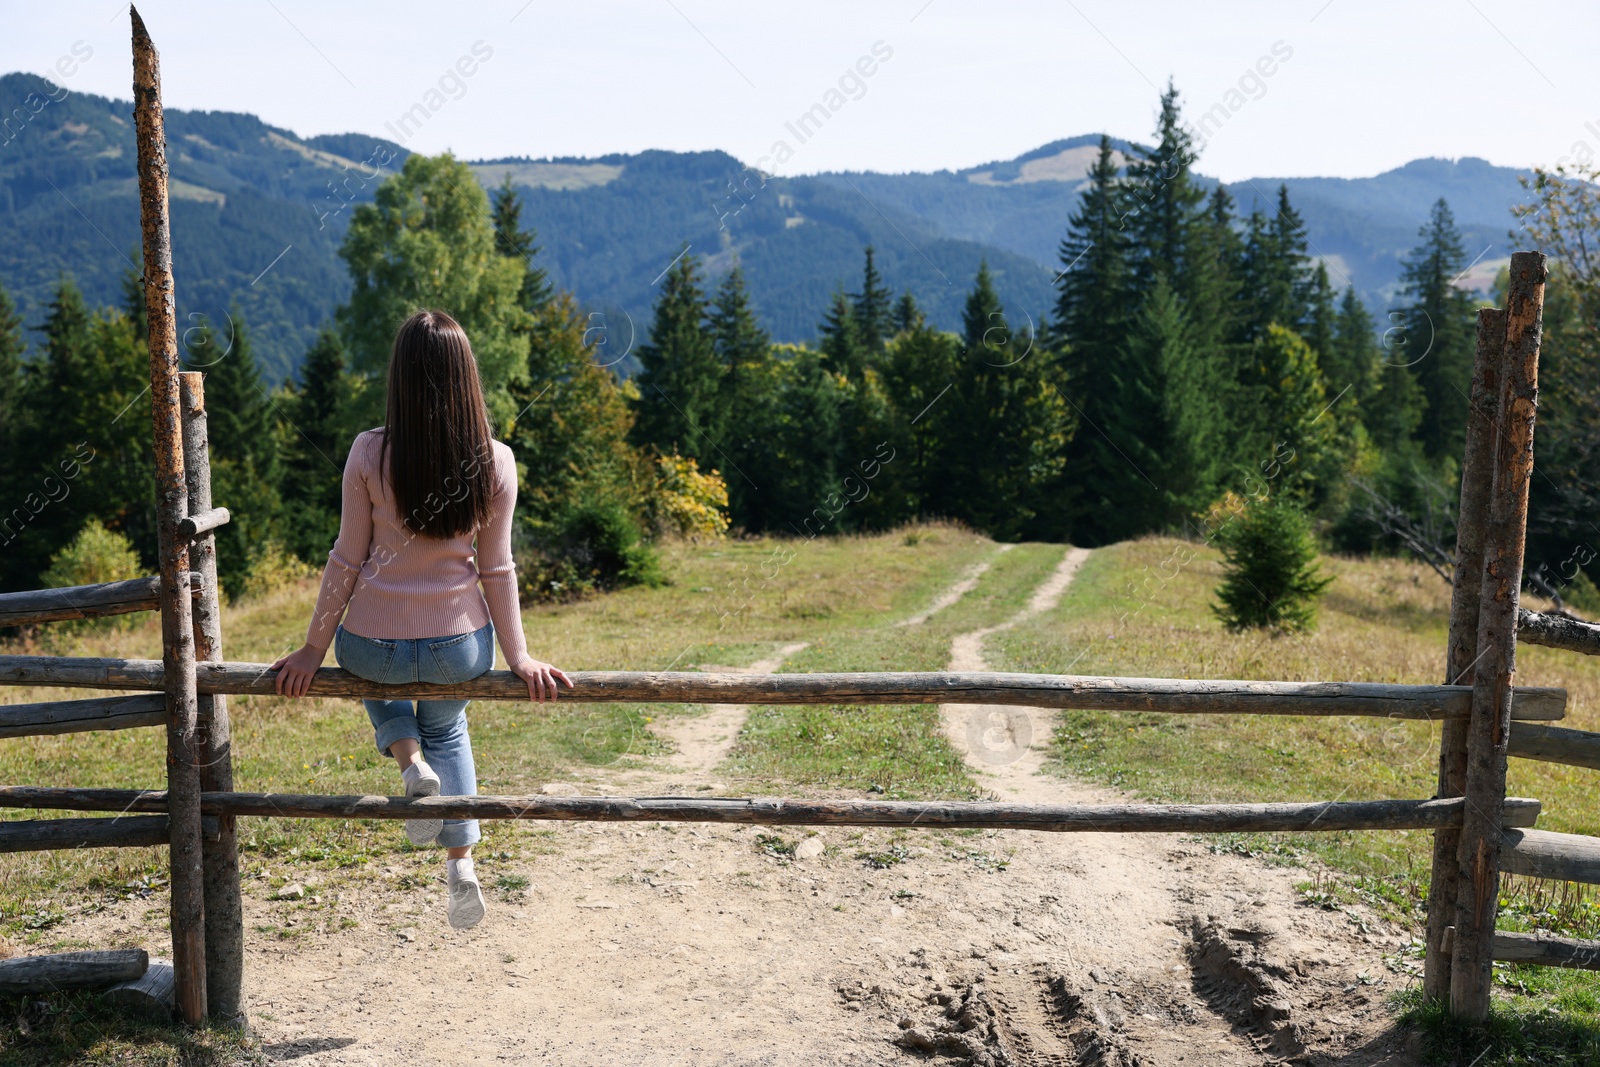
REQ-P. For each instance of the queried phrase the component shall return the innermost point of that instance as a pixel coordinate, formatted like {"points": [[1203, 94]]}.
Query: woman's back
{"points": [[402, 584]]}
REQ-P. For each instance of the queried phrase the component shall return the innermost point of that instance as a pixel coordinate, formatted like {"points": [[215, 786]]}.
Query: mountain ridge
{"points": [[258, 213]]}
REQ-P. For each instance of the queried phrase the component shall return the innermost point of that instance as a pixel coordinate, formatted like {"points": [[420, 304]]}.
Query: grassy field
{"points": [[1136, 609]]}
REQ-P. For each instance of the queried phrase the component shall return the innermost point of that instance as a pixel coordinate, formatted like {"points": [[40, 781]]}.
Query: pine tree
{"points": [[239, 418], [1322, 323], [743, 349], [1440, 332], [1001, 449], [313, 462], [133, 302], [12, 348], [872, 310], [1351, 361], [984, 331], [513, 242], [907, 315], [1277, 276], [1294, 434], [843, 350], [580, 478], [1165, 205], [241, 427], [680, 378], [1270, 567]]}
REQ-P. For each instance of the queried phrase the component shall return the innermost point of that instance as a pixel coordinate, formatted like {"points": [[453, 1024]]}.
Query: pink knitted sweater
{"points": [[398, 584]]}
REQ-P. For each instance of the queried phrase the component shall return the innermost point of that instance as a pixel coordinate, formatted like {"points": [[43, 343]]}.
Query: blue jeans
{"points": [[439, 726]]}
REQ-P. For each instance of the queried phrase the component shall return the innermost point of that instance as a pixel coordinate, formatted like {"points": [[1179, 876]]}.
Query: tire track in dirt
{"points": [[704, 741], [1128, 983]]}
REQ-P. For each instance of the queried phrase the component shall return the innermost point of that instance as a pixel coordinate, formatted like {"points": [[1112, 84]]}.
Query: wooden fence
{"points": [[1478, 830]]}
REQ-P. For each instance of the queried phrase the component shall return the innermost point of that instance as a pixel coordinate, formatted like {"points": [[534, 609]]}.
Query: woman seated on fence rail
{"points": [[415, 612]]}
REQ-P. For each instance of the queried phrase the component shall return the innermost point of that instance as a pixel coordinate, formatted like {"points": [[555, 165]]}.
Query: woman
{"points": [[415, 613]]}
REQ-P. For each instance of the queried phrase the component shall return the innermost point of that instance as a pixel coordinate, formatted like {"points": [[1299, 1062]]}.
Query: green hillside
{"points": [[258, 213]]}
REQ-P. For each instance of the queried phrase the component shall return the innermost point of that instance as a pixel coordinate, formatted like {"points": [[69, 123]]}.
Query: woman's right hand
{"points": [[297, 669], [541, 678]]}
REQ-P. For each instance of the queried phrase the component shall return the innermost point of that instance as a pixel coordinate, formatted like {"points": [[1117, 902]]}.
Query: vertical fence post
{"points": [[1488, 731], [172, 505], [1477, 476], [223, 906]]}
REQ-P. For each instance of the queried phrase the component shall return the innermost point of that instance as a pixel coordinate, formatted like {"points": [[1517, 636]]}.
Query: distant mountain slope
{"points": [[258, 214], [1362, 226]]}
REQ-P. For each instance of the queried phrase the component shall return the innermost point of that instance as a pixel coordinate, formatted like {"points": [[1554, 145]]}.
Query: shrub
{"points": [[1270, 567], [688, 503], [272, 568], [592, 547], [95, 555]]}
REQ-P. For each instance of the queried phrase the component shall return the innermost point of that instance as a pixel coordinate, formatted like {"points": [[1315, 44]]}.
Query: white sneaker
{"points": [[466, 896], [421, 781]]}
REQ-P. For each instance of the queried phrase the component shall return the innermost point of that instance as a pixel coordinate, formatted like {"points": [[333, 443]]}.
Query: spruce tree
{"points": [[679, 407], [1271, 578], [239, 417], [840, 342], [1294, 434], [872, 310], [513, 242], [1088, 330], [1439, 332], [984, 331], [313, 462], [1001, 448], [1166, 206], [241, 427], [743, 349], [1322, 323], [1352, 359], [907, 315], [12, 348]]}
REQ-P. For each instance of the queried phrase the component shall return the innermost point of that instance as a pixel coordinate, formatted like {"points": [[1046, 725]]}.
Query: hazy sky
{"points": [[1366, 85]]}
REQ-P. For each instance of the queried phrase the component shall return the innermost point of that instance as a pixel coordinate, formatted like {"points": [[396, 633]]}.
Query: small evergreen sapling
{"points": [[1270, 569]]}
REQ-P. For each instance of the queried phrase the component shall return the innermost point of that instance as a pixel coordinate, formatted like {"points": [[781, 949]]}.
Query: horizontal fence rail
{"points": [[884, 687], [1554, 630], [1059, 818], [73, 602], [1545, 854], [1540, 949], [78, 716], [128, 831], [1552, 744]]}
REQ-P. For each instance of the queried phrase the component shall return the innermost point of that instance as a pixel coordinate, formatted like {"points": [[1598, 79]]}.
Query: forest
{"points": [[1193, 355]]}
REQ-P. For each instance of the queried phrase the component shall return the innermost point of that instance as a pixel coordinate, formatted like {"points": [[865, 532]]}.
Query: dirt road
{"points": [[684, 945]]}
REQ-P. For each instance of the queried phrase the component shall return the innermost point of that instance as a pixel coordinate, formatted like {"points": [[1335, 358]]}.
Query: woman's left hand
{"points": [[541, 678]]}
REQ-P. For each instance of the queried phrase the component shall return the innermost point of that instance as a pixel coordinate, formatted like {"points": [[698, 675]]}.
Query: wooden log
{"points": [[1546, 854], [1489, 732], [71, 970], [1575, 748], [1461, 647], [1544, 949], [224, 906], [172, 506], [150, 995], [203, 522], [1554, 630], [53, 835], [74, 602], [1060, 818], [78, 716], [1167, 695]]}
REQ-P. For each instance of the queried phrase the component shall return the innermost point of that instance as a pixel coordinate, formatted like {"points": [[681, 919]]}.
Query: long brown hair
{"points": [[436, 432]]}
